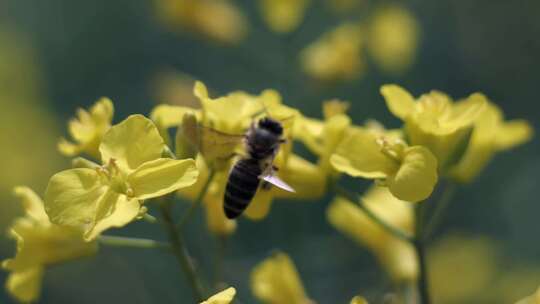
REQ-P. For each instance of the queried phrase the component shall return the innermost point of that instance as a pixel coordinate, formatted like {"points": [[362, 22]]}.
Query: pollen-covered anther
{"points": [[129, 192], [394, 150], [103, 172]]}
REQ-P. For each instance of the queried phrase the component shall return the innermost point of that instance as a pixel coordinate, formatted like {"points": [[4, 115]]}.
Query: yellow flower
{"points": [[435, 121], [283, 16], [336, 55], [491, 134], [532, 299], [39, 244], [276, 281], [359, 300], [397, 256], [223, 297], [409, 172], [88, 130], [111, 195], [393, 35], [218, 20]]}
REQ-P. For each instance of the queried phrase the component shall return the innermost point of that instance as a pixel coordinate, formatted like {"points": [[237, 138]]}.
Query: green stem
{"points": [[220, 256], [120, 241], [168, 152], [180, 252], [419, 245], [353, 197], [149, 218], [187, 215], [440, 207]]}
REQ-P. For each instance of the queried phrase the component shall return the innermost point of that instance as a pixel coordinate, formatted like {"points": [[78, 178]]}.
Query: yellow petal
{"points": [[465, 112], [80, 162], [193, 191], [397, 256], [168, 116], [102, 111], [114, 210], [400, 260], [490, 135], [283, 15], [216, 220], [513, 133], [309, 132], [276, 280], [32, 204], [131, 143], [68, 148], [400, 102], [335, 129], [34, 245], [359, 300], [260, 205], [223, 297], [307, 179], [532, 299], [88, 129], [72, 195], [161, 176], [359, 155], [416, 177], [25, 285]]}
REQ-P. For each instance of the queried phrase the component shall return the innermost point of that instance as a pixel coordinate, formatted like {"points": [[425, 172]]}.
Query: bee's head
{"points": [[271, 125]]}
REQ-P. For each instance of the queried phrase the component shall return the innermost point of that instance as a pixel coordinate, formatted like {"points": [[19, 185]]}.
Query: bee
{"points": [[261, 144]]}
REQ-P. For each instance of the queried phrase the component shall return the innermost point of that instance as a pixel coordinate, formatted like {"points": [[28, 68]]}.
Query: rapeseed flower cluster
{"points": [[187, 152]]}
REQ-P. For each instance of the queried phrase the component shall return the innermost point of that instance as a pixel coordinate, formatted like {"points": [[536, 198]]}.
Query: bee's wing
{"points": [[276, 181], [211, 143]]}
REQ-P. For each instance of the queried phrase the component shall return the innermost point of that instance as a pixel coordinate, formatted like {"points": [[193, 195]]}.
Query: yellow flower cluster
{"points": [[390, 36], [82, 202], [440, 138], [137, 160]]}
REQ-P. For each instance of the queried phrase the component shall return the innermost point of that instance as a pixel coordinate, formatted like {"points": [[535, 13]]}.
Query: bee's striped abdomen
{"points": [[241, 187]]}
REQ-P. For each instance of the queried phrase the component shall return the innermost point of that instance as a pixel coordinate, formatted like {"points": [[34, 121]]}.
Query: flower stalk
{"points": [[420, 246], [440, 207], [120, 241], [181, 253]]}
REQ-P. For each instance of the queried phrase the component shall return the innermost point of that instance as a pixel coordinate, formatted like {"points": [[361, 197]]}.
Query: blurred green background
{"points": [[77, 51]]}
